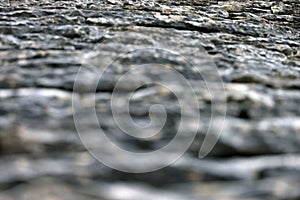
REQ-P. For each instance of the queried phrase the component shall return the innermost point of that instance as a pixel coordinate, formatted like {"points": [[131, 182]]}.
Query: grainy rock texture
{"points": [[254, 44]]}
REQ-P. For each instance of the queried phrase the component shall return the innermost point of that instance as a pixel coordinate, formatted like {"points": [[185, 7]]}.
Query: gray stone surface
{"points": [[255, 45]]}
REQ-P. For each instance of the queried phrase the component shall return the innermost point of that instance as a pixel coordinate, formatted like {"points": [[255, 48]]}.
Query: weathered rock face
{"points": [[255, 45]]}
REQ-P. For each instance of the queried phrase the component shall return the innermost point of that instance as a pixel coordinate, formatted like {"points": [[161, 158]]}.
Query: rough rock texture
{"points": [[255, 45]]}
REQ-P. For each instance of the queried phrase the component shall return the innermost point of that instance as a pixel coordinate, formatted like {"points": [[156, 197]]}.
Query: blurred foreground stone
{"points": [[255, 45]]}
